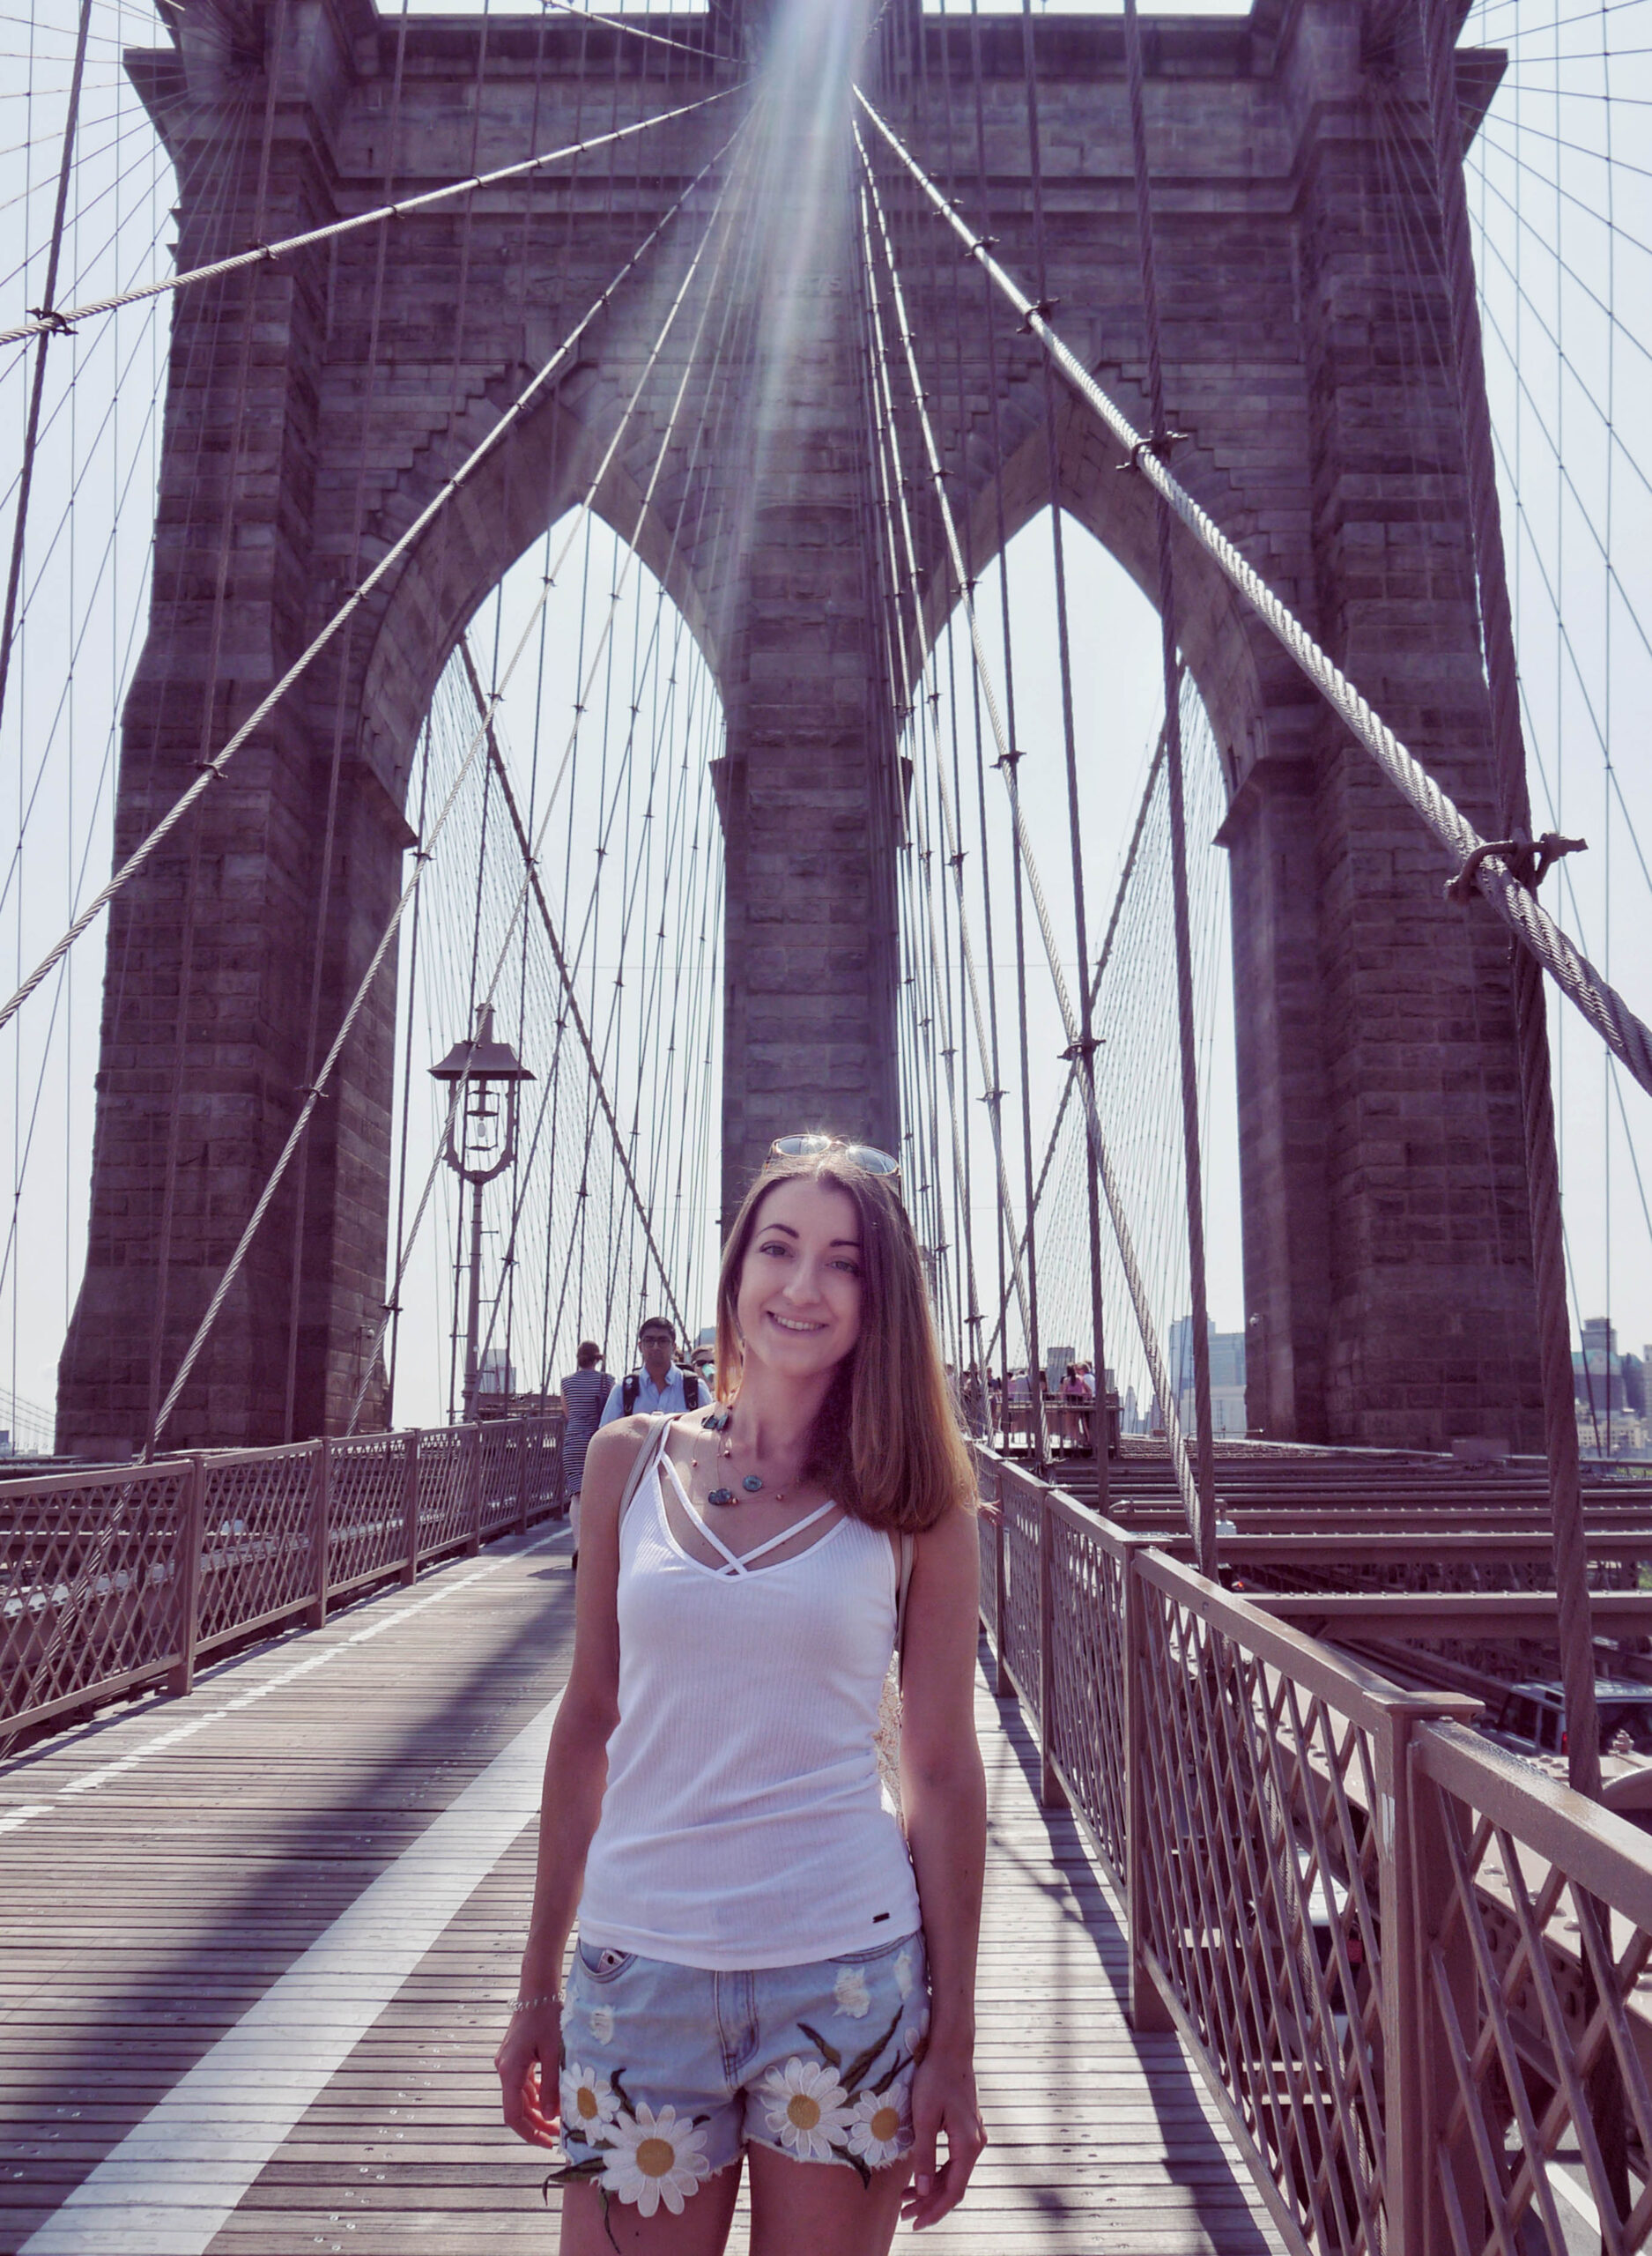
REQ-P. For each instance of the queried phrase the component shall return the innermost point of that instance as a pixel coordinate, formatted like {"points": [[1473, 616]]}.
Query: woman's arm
{"points": [[575, 1772], [943, 1795]]}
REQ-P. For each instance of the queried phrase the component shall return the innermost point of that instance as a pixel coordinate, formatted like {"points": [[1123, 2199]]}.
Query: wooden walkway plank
{"points": [[194, 1861]]}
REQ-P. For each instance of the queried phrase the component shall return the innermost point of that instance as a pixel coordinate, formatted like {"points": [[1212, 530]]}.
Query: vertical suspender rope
{"points": [[37, 387], [1101, 1159], [996, 1096], [1514, 817], [1083, 1061], [1160, 443], [1127, 870], [889, 471]]}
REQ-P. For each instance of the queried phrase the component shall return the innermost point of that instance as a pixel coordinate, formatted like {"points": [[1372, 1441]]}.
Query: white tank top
{"points": [[743, 1824]]}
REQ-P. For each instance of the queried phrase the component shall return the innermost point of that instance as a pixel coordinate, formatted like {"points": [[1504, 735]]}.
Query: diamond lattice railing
{"points": [[444, 1499], [91, 1584], [366, 1507], [1018, 1502], [258, 1525], [501, 1476], [1087, 1719], [97, 1575], [1261, 1891], [1538, 1939]]}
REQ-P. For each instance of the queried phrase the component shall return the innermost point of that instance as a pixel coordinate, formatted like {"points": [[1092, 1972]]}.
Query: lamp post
{"points": [[478, 1148]]}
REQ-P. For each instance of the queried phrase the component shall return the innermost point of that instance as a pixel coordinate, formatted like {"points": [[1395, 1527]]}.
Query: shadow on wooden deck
{"points": [[258, 1943]]}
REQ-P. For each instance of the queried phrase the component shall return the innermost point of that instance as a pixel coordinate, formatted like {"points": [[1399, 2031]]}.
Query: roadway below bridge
{"points": [[259, 1943]]}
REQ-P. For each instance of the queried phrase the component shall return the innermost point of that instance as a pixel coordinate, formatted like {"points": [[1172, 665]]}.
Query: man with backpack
{"points": [[659, 1384]]}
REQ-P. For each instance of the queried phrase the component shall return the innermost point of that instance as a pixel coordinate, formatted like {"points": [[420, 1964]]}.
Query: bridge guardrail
{"points": [[114, 1578], [1412, 1970]]}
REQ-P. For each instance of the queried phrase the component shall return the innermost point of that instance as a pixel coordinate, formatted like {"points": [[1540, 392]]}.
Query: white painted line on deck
{"points": [[15, 1818], [176, 2178]]}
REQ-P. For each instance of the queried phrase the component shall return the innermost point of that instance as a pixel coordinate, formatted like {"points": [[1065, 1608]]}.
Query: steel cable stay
{"points": [[1085, 1061], [182, 114], [974, 1316], [263, 254], [1584, 986], [900, 631], [706, 54], [78, 469], [1001, 530], [570, 1000], [312, 1095], [968, 1343], [214, 768], [214, 204], [1121, 890], [531, 886], [1181, 1458], [890, 473]]}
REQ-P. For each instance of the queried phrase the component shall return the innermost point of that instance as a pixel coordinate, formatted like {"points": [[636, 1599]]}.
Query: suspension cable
{"points": [[46, 327], [57, 323], [896, 511], [1127, 871], [1478, 861], [213, 770], [1192, 1159], [1100, 1156]]}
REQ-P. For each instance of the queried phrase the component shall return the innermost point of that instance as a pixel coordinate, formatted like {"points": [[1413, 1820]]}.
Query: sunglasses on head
{"points": [[867, 1157]]}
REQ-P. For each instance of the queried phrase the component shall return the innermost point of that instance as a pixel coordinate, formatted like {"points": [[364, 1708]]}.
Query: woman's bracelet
{"points": [[528, 2005]]}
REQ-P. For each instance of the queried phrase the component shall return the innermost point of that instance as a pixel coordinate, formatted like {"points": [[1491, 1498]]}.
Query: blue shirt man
{"points": [[658, 1384]]}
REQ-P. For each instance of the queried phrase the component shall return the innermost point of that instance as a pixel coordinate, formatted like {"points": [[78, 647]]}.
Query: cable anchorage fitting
{"points": [[1040, 309], [1529, 862], [1160, 448], [56, 324], [1086, 1046]]}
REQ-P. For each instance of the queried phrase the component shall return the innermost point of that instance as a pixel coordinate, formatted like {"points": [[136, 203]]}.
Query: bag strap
{"points": [[909, 1552], [647, 1448]]}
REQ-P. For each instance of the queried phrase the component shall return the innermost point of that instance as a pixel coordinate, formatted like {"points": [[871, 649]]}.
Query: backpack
{"points": [[631, 1387]]}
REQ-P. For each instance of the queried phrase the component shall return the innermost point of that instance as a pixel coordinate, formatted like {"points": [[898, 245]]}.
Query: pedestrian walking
{"points": [[769, 1973], [584, 1393]]}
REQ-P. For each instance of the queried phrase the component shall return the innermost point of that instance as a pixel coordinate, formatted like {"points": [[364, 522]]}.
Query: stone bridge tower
{"points": [[1388, 1277]]}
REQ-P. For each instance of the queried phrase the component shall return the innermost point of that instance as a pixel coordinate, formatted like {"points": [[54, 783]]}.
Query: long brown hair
{"points": [[886, 1442]]}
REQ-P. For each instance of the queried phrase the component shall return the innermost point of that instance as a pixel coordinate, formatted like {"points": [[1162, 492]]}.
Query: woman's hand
{"points": [[943, 2105], [526, 2061]]}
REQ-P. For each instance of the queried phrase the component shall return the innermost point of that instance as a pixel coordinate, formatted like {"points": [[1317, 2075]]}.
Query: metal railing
{"points": [[1412, 1970], [114, 1578]]}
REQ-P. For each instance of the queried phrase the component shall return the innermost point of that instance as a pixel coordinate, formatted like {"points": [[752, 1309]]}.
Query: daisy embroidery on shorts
{"points": [[850, 1994], [588, 2100], [656, 2158], [876, 2129], [807, 2108]]}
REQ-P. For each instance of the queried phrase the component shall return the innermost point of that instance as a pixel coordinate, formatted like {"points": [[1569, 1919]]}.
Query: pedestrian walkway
{"points": [[257, 1945]]}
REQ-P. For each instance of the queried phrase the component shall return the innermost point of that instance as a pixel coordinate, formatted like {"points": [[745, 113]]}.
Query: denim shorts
{"points": [[669, 2072]]}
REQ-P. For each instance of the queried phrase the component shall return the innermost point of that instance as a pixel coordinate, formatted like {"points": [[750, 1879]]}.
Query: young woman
{"points": [[766, 1967]]}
